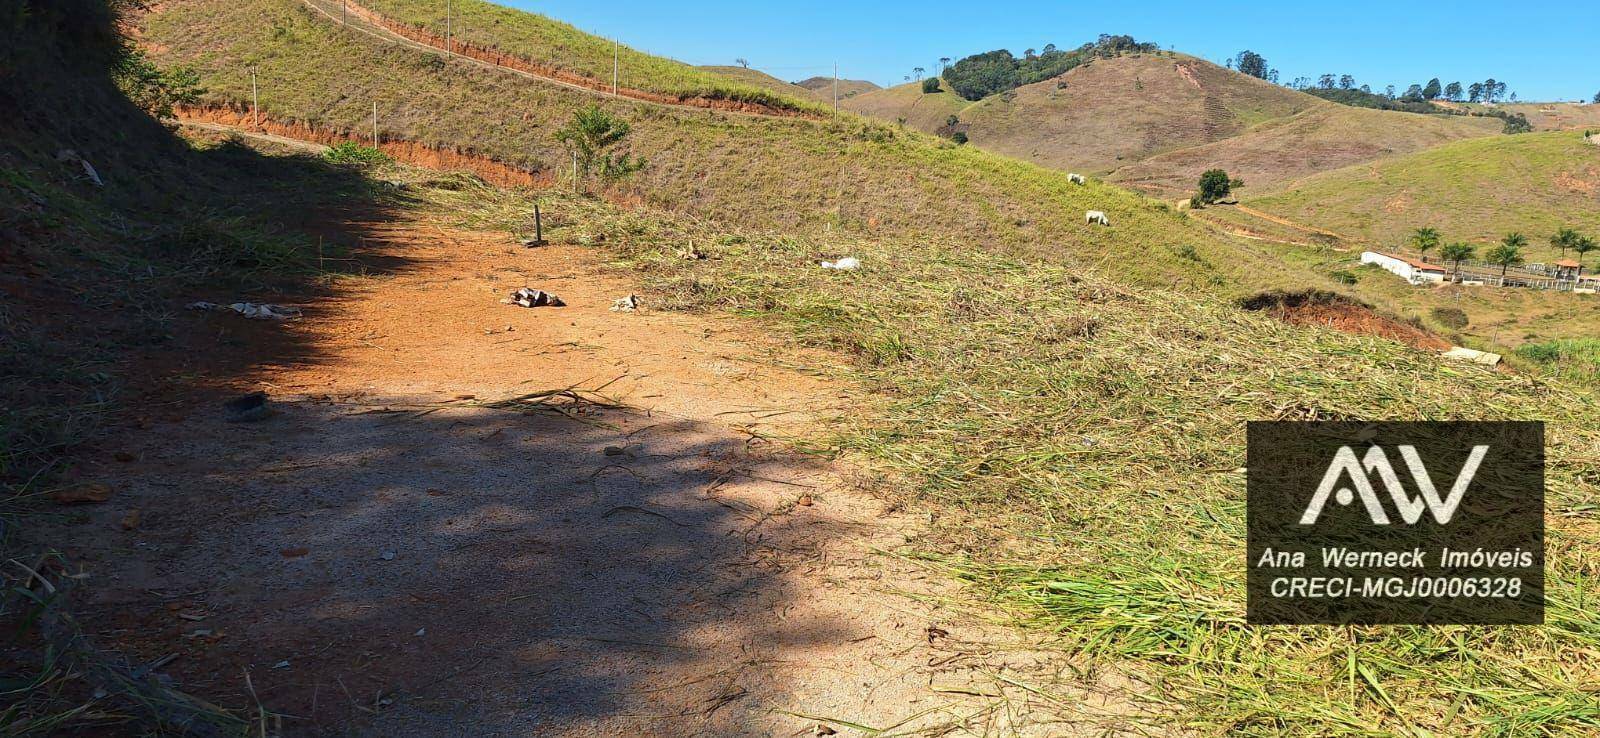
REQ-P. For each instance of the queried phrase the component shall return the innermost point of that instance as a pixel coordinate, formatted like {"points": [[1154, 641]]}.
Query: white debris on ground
{"points": [[1477, 357], [847, 264], [68, 155], [625, 304], [531, 298], [252, 310]]}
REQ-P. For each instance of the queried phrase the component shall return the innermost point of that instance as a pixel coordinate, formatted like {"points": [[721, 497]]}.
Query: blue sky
{"points": [[1545, 50]]}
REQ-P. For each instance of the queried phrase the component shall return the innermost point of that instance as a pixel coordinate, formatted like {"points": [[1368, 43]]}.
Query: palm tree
{"points": [[1582, 245], [1457, 252], [1425, 239], [1564, 239], [1508, 254]]}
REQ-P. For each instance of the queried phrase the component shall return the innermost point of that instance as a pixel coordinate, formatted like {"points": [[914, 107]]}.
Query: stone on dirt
{"points": [[86, 493]]}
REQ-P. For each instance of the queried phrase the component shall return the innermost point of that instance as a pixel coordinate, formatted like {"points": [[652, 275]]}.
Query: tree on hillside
{"points": [[1475, 92], [1425, 240], [1216, 185], [742, 62], [1564, 239], [1452, 91], [1251, 63], [944, 61], [1413, 94], [1433, 89], [930, 85], [1456, 253], [1597, 98], [919, 71], [979, 76], [1326, 81], [1582, 246], [1389, 92], [1347, 82], [1508, 253], [589, 138]]}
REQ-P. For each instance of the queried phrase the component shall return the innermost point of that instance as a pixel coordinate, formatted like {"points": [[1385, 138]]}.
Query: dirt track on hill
{"points": [[405, 548]]}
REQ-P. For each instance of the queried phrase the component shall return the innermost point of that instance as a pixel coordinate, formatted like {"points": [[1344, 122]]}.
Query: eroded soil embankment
{"points": [[1341, 314], [409, 152], [491, 55]]}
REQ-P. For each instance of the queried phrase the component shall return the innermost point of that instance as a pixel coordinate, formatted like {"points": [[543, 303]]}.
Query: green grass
{"points": [[1069, 403], [1577, 359], [1079, 443], [561, 46], [861, 177], [1475, 190]]}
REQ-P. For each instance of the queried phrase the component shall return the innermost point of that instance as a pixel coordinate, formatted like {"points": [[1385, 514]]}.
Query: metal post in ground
{"points": [[374, 124], [836, 87], [255, 98], [449, 39], [616, 61], [344, 11]]}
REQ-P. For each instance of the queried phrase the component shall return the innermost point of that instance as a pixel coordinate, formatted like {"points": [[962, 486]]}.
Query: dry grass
{"points": [[1078, 443]]}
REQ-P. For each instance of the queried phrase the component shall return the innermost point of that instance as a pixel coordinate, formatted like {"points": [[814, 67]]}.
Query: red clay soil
{"points": [[500, 58], [409, 152], [1346, 317]]}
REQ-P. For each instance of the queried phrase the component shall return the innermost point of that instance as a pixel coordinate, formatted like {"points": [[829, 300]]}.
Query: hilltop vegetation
{"points": [[981, 75], [822, 87]]}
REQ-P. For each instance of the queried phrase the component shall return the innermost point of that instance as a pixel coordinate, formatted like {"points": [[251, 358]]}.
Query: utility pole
{"points": [[374, 124], [255, 98], [344, 10], [836, 87], [616, 61]]}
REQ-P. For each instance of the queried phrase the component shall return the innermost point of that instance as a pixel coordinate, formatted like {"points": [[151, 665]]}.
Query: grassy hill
{"points": [[1070, 401], [758, 78], [564, 49], [1474, 190], [1104, 112], [862, 176], [1156, 121], [822, 87], [1276, 154], [1559, 116]]}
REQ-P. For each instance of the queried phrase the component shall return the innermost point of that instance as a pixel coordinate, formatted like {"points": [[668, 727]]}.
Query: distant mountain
{"points": [[848, 88], [1157, 120]]}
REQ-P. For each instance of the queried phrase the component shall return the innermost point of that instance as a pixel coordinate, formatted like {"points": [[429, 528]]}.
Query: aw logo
{"points": [[1359, 472], [1377, 523]]}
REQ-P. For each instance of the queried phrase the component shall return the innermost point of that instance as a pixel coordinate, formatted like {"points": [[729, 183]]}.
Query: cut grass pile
{"points": [[1080, 443], [558, 45]]}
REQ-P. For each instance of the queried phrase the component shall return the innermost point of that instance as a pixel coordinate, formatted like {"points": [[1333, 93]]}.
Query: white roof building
{"points": [[1409, 269]]}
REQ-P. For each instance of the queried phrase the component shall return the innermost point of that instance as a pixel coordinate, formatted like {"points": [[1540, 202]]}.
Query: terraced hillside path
{"points": [[472, 518], [364, 20]]}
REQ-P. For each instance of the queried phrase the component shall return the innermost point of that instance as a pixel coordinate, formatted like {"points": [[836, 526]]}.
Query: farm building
{"points": [[1409, 269]]}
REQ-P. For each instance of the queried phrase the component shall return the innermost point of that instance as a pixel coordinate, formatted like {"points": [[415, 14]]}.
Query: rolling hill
{"points": [[1274, 154], [1474, 190], [1102, 113], [1155, 121], [758, 78], [822, 87]]}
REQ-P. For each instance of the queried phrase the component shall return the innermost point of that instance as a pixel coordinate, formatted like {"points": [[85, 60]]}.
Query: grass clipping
{"points": [[1082, 442]]}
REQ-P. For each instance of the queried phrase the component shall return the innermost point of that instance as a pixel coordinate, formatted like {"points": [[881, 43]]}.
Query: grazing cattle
{"points": [[1076, 178], [1095, 216]]}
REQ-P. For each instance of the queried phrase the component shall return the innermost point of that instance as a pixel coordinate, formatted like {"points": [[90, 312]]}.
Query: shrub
{"points": [[930, 85], [1449, 317], [1216, 185], [1344, 276], [960, 137], [351, 152]]}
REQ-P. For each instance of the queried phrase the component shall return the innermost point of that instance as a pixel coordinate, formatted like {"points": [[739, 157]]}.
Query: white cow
{"points": [[1076, 178], [1095, 216]]}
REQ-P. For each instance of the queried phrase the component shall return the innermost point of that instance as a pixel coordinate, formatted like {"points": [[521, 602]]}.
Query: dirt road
{"points": [[395, 553]]}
